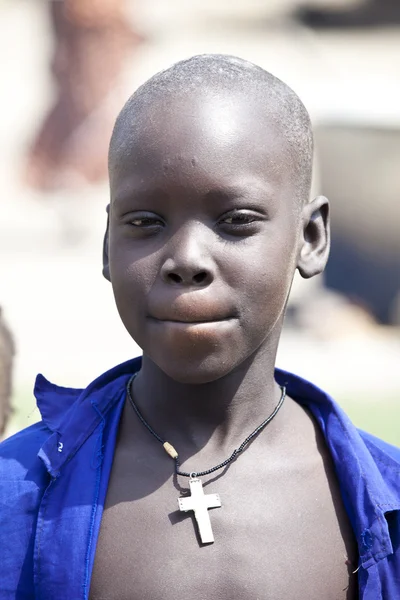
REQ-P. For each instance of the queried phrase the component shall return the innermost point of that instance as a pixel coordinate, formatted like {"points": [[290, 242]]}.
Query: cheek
{"points": [[130, 265], [131, 279], [265, 274]]}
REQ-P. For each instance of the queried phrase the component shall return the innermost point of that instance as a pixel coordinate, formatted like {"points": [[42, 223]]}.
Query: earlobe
{"points": [[315, 243], [106, 267]]}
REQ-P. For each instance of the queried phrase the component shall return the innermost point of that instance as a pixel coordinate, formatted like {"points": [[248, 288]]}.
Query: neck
{"points": [[223, 412]]}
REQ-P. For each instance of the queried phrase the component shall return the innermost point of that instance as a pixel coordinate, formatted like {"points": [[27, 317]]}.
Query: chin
{"points": [[191, 371], [194, 354]]}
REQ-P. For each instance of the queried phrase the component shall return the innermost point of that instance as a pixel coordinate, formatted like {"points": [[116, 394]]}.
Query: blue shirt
{"points": [[54, 477]]}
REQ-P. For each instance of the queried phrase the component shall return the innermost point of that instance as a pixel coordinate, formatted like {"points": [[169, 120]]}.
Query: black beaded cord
{"points": [[225, 462]]}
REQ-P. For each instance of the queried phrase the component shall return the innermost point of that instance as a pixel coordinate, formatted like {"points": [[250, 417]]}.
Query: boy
{"points": [[210, 169]]}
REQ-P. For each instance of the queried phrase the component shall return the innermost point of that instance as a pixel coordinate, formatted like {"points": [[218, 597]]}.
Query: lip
{"points": [[190, 309], [198, 321]]}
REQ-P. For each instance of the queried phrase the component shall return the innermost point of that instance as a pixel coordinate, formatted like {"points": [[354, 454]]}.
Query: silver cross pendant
{"points": [[199, 503]]}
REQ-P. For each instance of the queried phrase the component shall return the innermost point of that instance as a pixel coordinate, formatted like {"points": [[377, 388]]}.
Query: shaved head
{"points": [[210, 169], [213, 75]]}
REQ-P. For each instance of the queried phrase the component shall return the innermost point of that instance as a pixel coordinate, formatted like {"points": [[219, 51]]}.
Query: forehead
{"points": [[212, 136]]}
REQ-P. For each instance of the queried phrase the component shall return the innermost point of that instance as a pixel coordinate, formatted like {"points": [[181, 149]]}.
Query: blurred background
{"points": [[66, 68]]}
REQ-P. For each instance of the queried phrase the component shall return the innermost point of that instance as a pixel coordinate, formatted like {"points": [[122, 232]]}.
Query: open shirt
{"points": [[54, 477]]}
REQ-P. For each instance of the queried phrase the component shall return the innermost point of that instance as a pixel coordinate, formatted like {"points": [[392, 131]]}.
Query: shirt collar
{"points": [[73, 415], [366, 494]]}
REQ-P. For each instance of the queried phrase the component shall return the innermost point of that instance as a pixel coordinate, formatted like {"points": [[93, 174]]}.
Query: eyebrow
{"points": [[253, 190], [247, 192], [224, 194], [138, 194]]}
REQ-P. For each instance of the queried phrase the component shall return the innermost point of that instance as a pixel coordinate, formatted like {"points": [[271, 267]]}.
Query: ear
{"points": [[315, 242], [106, 267]]}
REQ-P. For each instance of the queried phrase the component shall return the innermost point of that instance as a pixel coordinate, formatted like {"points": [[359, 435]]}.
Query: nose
{"points": [[187, 263], [185, 275]]}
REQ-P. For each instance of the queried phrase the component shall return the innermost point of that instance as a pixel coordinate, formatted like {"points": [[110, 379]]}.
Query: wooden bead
{"points": [[169, 449]]}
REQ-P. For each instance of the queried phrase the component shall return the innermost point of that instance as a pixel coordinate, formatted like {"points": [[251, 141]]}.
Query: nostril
{"points": [[175, 278], [200, 277]]}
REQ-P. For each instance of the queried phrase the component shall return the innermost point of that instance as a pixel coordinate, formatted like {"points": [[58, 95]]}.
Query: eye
{"points": [[146, 221], [239, 218], [240, 222]]}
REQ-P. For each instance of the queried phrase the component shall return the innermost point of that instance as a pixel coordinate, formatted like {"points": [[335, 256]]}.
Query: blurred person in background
{"points": [[92, 41], [6, 361]]}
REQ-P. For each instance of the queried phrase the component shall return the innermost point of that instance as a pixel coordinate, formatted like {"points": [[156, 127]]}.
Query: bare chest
{"points": [[279, 531]]}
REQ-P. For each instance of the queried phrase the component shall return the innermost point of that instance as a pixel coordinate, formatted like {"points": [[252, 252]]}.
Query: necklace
{"points": [[198, 502]]}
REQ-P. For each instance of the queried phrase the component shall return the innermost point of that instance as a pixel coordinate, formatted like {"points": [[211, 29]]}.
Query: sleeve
{"points": [[23, 480]]}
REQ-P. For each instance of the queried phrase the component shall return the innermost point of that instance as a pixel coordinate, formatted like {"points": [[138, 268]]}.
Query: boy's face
{"points": [[204, 236]]}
